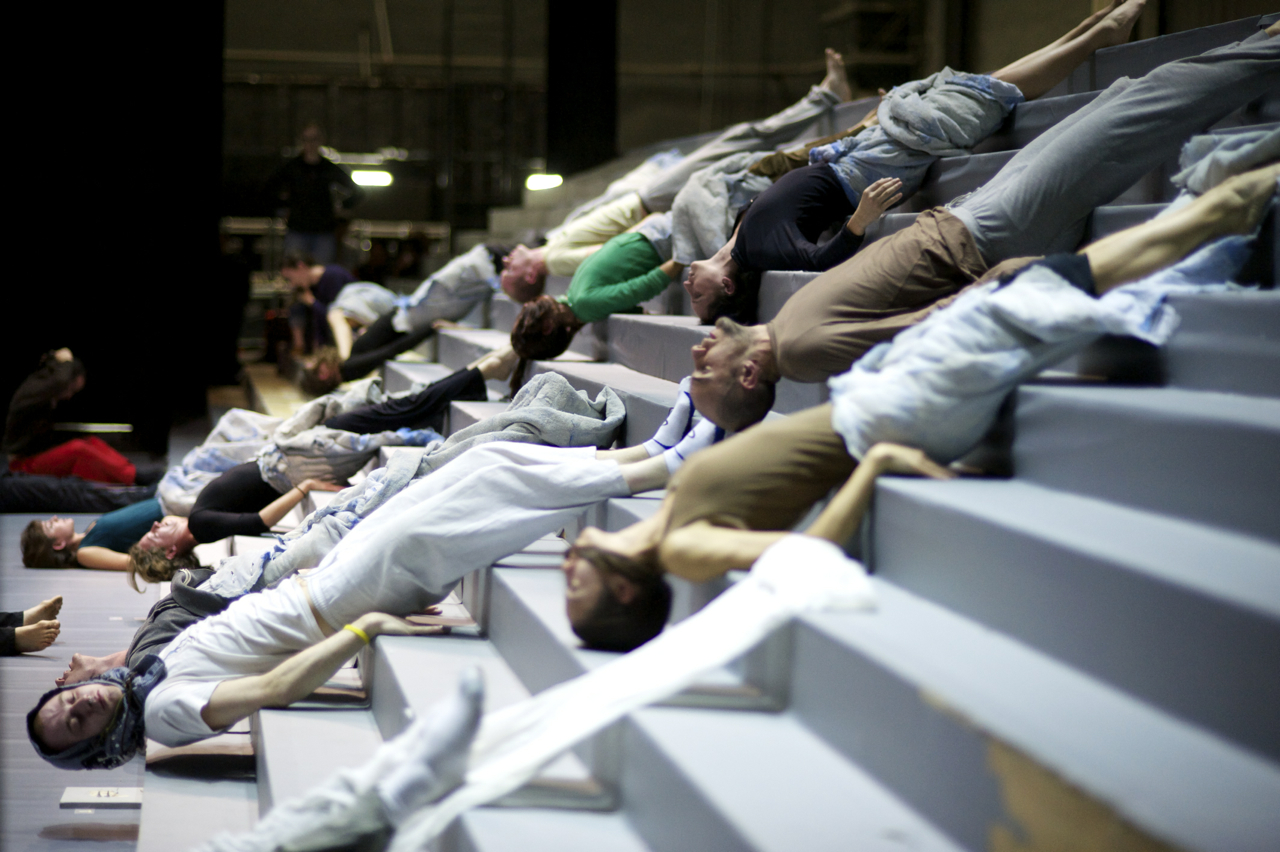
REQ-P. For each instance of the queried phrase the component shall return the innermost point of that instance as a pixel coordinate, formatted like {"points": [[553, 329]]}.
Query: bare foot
{"points": [[1118, 24], [36, 637], [84, 667], [836, 81], [46, 610], [1242, 200], [1273, 30]]}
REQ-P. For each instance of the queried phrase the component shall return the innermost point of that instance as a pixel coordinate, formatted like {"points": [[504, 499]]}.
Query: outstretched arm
{"points": [[102, 558], [278, 508], [701, 551], [301, 674], [342, 337]]}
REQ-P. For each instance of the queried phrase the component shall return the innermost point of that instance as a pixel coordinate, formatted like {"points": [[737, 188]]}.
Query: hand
{"points": [[381, 624], [895, 458], [876, 199], [63, 354]]}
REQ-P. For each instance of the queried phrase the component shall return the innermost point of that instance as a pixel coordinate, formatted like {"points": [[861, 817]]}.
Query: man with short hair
{"points": [[306, 185]]}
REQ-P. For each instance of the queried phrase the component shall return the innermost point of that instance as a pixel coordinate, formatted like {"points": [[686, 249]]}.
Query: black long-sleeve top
{"points": [[780, 229], [304, 188], [230, 505]]}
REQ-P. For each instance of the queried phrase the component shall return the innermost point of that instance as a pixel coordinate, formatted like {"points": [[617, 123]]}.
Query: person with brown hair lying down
{"points": [[142, 540], [936, 389]]}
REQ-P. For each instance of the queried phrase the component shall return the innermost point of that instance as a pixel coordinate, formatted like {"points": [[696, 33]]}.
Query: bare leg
{"points": [[84, 667], [35, 637], [1071, 34], [1039, 72], [43, 611], [1233, 207]]}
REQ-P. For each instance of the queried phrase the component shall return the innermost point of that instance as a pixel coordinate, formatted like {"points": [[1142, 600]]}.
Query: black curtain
{"points": [[582, 84], [120, 137]]}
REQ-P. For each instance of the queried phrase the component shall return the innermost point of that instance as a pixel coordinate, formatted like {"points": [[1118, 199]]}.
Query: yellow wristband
{"points": [[356, 630]]}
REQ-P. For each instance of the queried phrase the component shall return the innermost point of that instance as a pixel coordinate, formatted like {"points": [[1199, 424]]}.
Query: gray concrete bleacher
{"points": [[1087, 649]]}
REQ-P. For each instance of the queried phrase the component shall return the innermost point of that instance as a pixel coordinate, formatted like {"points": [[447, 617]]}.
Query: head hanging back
{"points": [[124, 734]]}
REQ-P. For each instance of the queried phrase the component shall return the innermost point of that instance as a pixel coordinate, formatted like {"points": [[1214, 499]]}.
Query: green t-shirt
{"points": [[623, 273]]}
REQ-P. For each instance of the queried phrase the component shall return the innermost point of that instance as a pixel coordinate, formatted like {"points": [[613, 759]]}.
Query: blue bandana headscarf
{"points": [[124, 734]]}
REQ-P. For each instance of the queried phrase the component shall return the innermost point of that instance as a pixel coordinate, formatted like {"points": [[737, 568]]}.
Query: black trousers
{"points": [[9, 621], [421, 410], [380, 343]]}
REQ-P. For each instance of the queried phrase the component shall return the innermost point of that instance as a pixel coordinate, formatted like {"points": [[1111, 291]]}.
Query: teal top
{"points": [[623, 273], [121, 529]]}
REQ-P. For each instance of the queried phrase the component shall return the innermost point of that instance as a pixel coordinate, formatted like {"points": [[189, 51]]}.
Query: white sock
{"points": [[678, 421], [437, 746], [701, 436]]}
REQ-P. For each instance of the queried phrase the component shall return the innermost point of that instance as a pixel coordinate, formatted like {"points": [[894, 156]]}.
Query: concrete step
{"points": [[412, 673], [687, 779], [529, 627], [1137, 58], [1031, 118], [401, 376], [252, 545], [1208, 457], [719, 781], [1181, 615], [190, 804], [502, 313], [987, 738], [1225, 342], [289, 760], [655, 345], [648, 399], [1111, 218], [953, 177], [464, 414]]}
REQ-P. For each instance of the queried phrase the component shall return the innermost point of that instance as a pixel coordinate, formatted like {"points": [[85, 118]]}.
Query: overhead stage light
{"points": [[536, 182], [364, 177]]}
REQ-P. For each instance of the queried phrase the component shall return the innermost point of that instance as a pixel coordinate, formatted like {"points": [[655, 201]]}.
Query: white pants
{"points": [[490, 502]]}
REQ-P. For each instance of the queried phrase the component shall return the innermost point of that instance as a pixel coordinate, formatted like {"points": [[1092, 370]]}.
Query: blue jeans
{"points": [[319, 247]]}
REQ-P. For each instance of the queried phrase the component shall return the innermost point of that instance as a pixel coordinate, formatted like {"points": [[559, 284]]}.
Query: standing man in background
{"points": [[306, 186]]}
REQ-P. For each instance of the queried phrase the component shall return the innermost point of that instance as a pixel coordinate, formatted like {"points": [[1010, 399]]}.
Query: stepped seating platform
{"points": [[1086, 649]]}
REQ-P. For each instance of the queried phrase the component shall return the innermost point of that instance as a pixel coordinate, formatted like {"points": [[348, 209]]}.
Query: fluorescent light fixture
{"points": [[370, 178], [536, 182]]}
